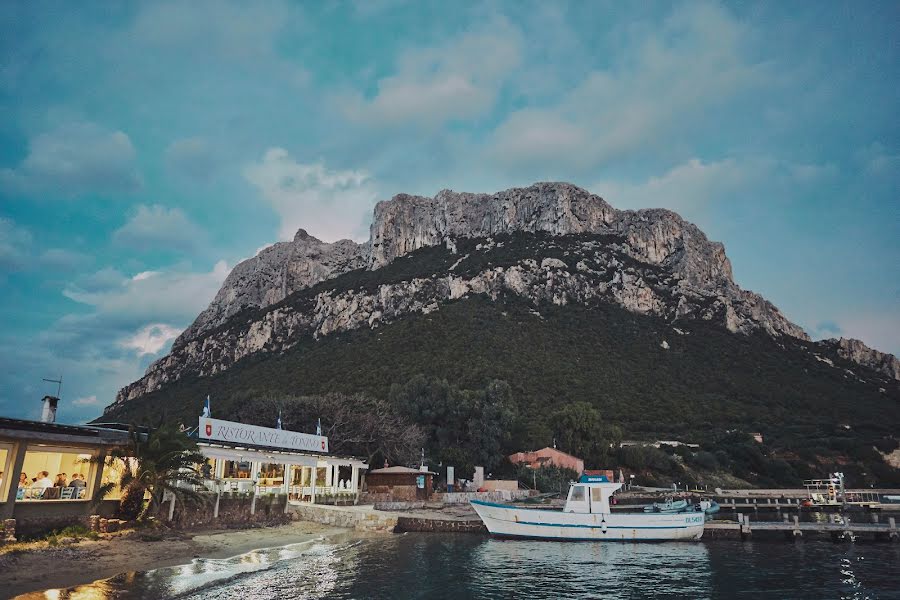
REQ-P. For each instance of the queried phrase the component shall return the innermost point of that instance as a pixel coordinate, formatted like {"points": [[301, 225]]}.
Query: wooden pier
{"points": [[839, 529]]}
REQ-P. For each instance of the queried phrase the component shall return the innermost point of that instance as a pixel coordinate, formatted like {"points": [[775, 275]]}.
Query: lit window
{"points": [[271, 474], [112, 475], [54, 474], [236, 470]]}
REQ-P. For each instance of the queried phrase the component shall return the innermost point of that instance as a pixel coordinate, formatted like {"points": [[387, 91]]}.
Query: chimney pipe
{"points": [[48, 412]]}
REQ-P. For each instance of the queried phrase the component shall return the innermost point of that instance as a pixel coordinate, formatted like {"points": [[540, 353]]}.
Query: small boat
{"points": [[587, 516], [669, 507]]}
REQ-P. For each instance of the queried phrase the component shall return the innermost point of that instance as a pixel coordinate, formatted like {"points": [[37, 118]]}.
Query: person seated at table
{"points": [[43, 480], [23, 480], [78, 481], [60, 480]]}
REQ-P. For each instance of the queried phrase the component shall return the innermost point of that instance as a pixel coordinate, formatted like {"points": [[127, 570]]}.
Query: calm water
{"points": [[474, 566]]}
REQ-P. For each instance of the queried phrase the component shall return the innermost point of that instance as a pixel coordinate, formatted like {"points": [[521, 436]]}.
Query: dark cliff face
{"points": [[547, 242]]}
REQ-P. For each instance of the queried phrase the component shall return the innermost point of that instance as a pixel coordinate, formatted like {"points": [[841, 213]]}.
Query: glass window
{"points": [[54, 474], [578, 493], [236, 470], [596, 495], [271, 474], [4, 468], [113, 474]]}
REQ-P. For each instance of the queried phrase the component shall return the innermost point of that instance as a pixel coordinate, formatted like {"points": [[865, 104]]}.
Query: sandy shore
{"points": [[42, 567]]}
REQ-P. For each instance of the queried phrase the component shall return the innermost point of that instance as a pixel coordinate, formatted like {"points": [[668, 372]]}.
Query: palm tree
{"points": [[153, 463]]}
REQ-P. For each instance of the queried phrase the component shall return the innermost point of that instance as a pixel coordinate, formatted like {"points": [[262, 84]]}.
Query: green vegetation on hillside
{"points": [[542, 370]]}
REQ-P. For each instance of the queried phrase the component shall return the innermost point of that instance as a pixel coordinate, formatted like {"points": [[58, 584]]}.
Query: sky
{"points": [[148, 147]]}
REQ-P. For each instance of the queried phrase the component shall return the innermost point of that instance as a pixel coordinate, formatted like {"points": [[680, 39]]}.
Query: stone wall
{"points": [[234, 509], [359, 518], [440, 525], [497, 496]]}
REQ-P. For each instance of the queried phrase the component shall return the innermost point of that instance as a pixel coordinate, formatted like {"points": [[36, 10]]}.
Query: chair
{"points": [[20, 494], [51, 493], [67, 493], [82, 491], [36, 493]]}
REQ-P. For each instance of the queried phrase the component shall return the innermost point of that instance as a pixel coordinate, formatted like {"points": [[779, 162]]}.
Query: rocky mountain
{"points": [[856, 351], [570, 246]]}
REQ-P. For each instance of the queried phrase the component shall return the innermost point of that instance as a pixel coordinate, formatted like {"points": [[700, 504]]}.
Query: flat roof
{"points": [[102, 435]]}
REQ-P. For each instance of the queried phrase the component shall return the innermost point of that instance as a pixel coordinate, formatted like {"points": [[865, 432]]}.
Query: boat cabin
{"points": [[590, 495]]}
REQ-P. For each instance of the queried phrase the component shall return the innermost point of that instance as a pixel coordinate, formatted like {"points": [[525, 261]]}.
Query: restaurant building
{"points": [[263, 460], [49, 471]]}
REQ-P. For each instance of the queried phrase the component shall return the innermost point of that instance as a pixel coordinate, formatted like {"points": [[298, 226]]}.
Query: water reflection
{"points": [[467, 566]]}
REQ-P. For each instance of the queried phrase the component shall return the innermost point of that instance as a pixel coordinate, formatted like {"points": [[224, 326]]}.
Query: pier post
{"points": [[253, 502], [892, 530], [745, 527], [848, 530], [171, 506], [218, 496]]}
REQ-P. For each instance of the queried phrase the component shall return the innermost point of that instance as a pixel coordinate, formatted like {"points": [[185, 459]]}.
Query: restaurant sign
{"points": [[241, 433]]}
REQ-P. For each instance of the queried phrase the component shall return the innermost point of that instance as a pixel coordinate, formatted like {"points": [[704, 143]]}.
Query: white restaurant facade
{"points": [[262, 460]]}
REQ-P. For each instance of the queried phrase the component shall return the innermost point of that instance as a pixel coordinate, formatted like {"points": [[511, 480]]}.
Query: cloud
{"points": [[17, 252], [457, 80], [156, 226], [331, 205], [172, 296], [74, 159], [662, 79], [15, 242], [696, 184], [86, 401], [193, 158], [150, 339]]}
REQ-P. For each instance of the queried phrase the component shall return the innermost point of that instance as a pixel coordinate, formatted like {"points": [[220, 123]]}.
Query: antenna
{"points": [[58, 383]]}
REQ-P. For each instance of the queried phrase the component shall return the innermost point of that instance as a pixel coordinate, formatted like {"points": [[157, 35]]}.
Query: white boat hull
{"points": [[515, 522]]}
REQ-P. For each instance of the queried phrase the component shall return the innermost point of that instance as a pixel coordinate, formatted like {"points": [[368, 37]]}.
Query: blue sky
{"points": [[146, 148]]}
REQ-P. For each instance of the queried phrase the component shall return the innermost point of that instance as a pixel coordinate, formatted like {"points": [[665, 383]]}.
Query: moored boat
{"points": [[587, 516]]}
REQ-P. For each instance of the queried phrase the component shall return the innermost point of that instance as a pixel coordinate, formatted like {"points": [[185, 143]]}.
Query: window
{"points": [[596, 495], [236, 470], [54, 474], [112, 474], [577, 493], [271, 474], [4, 468]]}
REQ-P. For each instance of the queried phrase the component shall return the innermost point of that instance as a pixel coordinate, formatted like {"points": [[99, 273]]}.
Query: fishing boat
{"points": [[587, 516]]}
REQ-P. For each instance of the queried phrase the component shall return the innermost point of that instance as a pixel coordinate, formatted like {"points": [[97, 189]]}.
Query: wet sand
{"points": [[38, 566]]}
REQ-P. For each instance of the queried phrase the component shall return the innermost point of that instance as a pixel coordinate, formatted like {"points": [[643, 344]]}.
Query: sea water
{"points": [[475, 566]]}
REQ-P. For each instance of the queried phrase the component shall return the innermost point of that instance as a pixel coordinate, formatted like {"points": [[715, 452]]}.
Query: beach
{"points": [[38, 567]]}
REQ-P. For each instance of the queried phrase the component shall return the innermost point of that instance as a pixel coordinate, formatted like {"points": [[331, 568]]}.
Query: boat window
{"points": [[578, 493], [596, 495]]}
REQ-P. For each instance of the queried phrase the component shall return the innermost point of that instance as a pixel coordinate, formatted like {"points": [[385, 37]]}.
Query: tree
{"points": [[581, 431], [153, 465], [357, 424]]}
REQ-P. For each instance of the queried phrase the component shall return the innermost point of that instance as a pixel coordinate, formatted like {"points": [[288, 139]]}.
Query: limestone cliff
{"points": [[550, 242], [856, 351]]}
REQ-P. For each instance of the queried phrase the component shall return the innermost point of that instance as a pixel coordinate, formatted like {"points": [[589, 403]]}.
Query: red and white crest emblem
{"points": [[208, 429]]}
